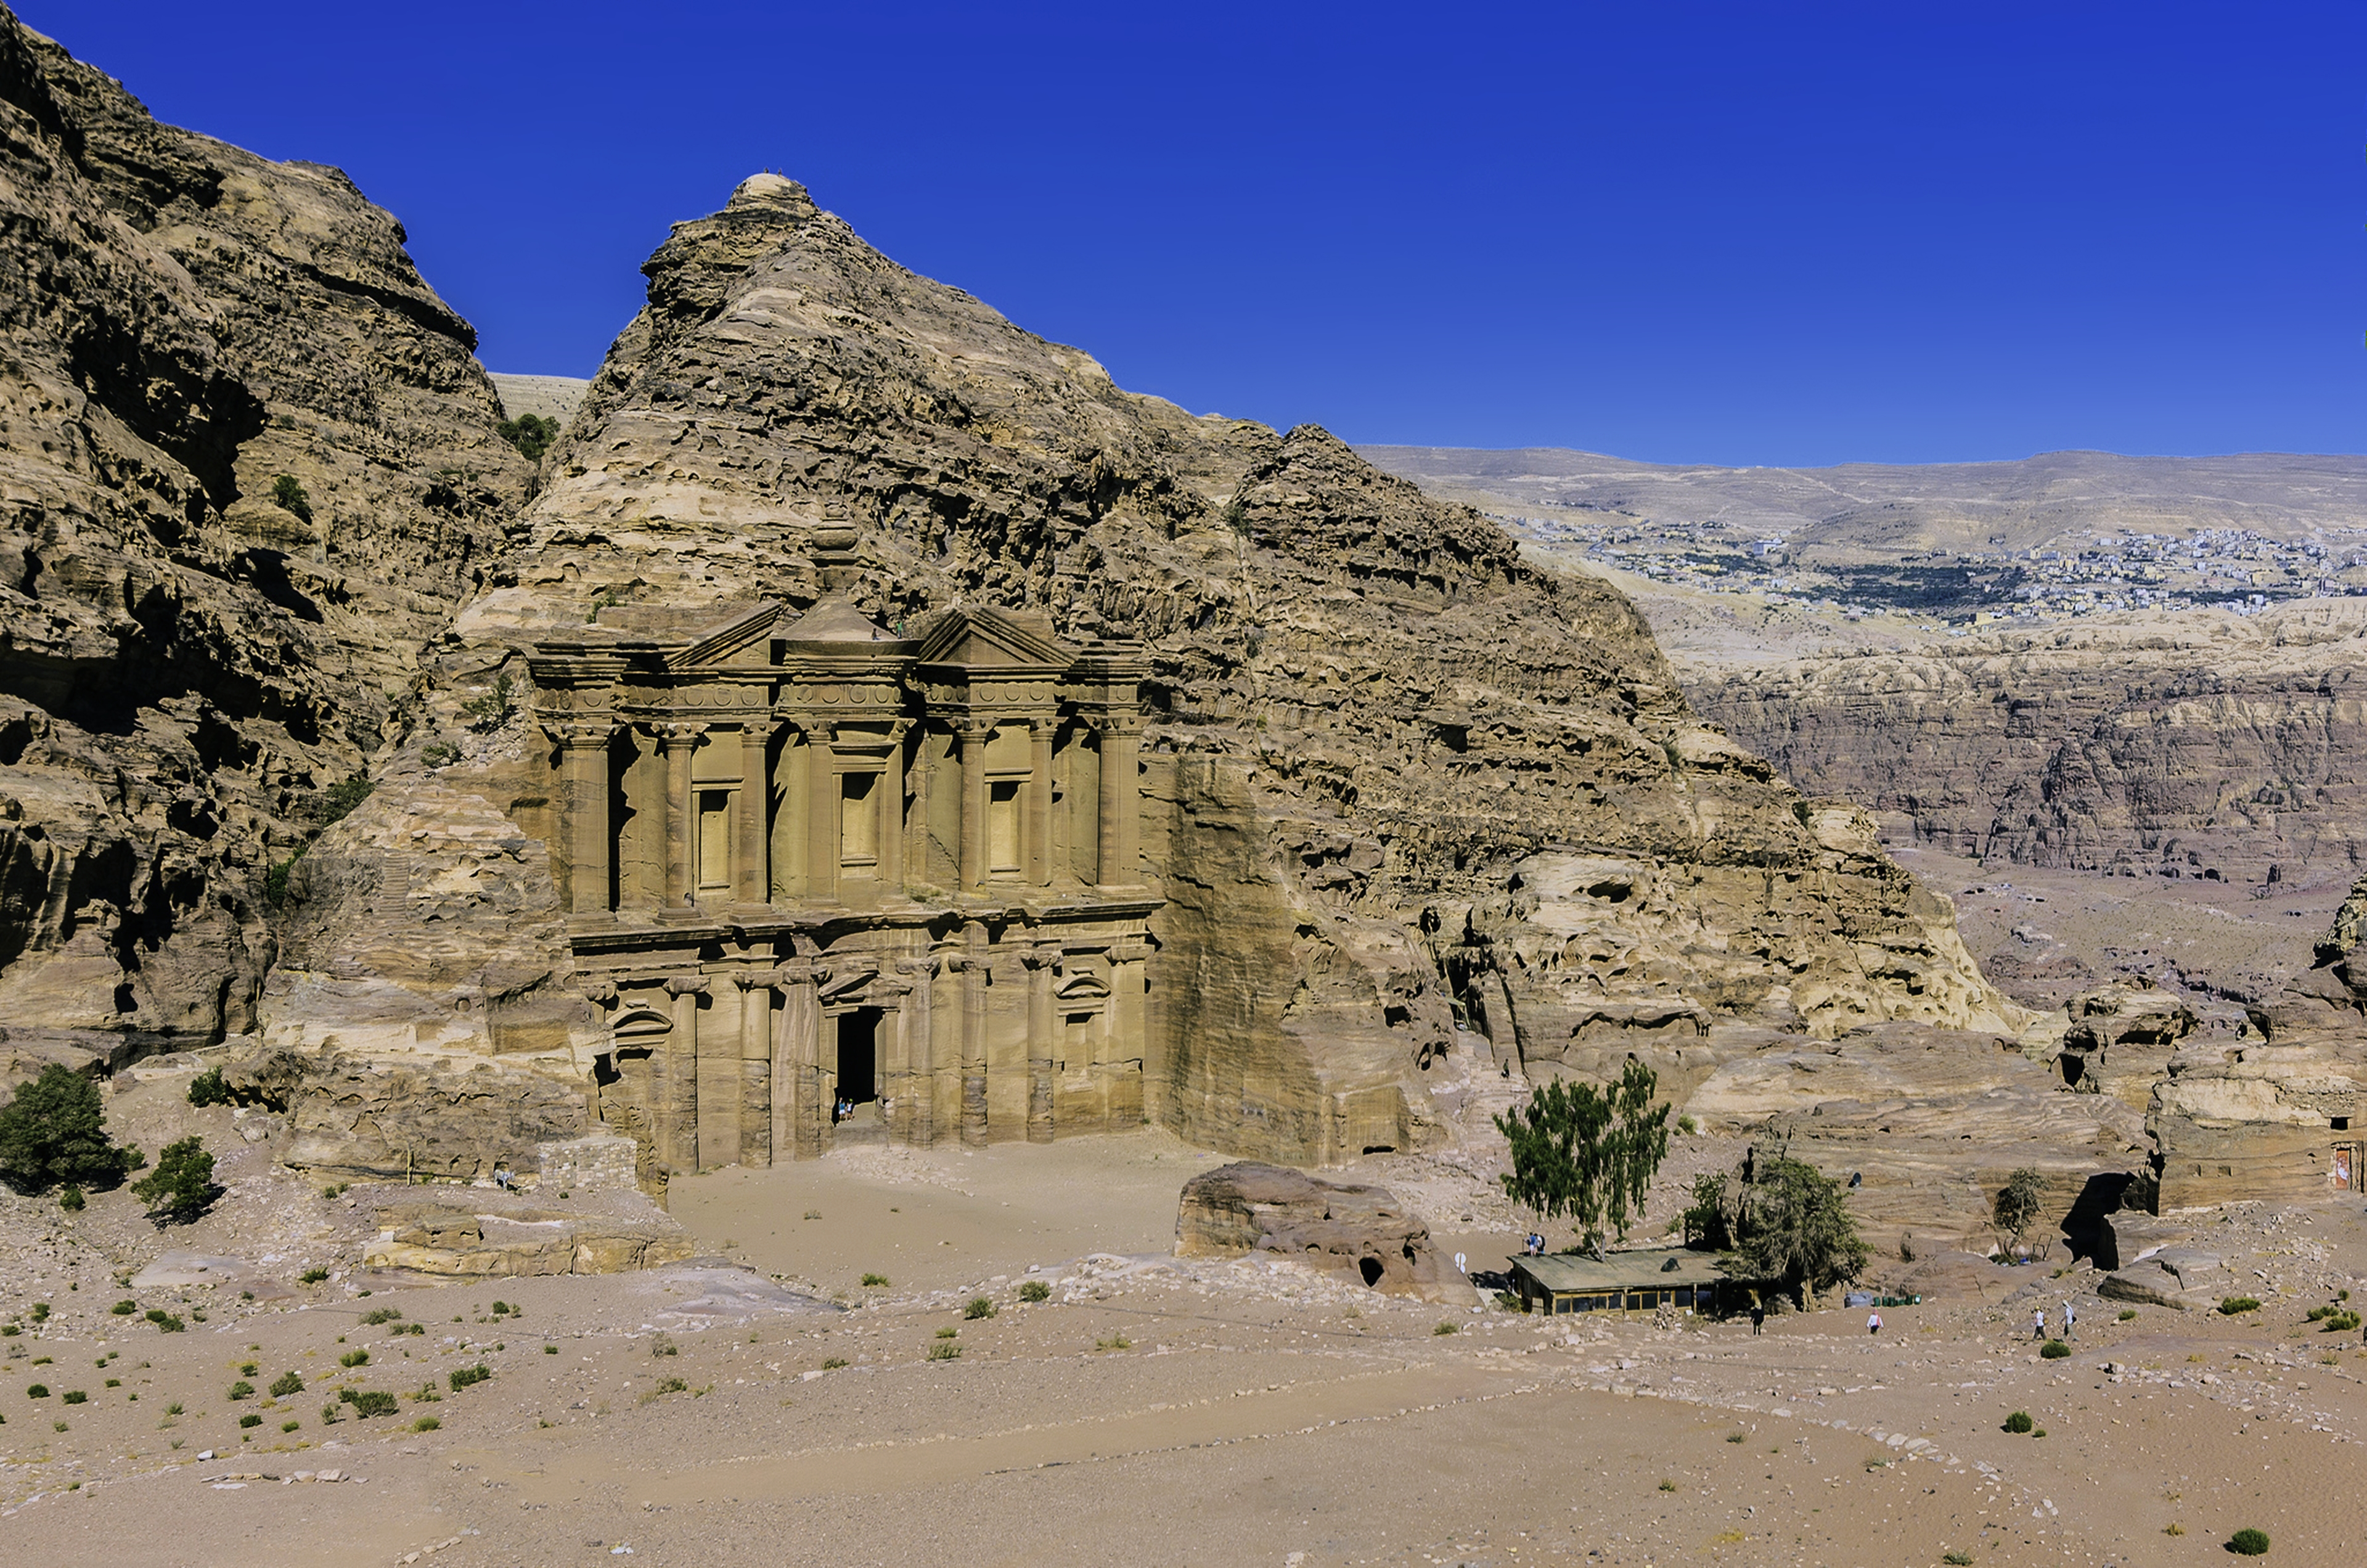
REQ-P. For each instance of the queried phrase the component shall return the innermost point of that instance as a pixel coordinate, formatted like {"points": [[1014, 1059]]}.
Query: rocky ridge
{"points": [[187, 665], [1399, 778]]}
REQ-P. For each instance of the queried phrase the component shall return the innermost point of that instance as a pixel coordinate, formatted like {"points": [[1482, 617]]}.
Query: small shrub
{"points": [[249, 1419], [2054, 1350], [873, 1279], [671, 1385], [209, 1088], [425, 1423], [2341, 1322], [290, 496], [1957, 1558], [124, 1309], [947, 1333], [312, 1276], [2128, 1314], [2248, 1543], [531, 434], [503, 1309], [183, 1183], [2234, 1305], [944, 1350], [354, 1359], [2018, 1422], [164, 1321], [1667, 1486], [1735, 1438], [1035, 1290], [461, 1377], [173, 1408], [978, 1308], [662, 1346], [373, 1401], [440, 755], [832, 1363], [41, 1311], [285, 1384], [38, 1390], [118, 1382], [76, 1397], [1115, 1342], [491, 711], [554, 1349], [289, 1426], [71, 1200], [242, 1389], [1446, 1329], [383, 1315]]}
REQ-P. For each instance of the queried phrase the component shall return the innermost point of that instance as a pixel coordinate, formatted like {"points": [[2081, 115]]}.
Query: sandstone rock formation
{"points": [[2207, 747], [186, 664], [494, 1236], [1357, 1232], [1394, 776], [2120, 1040]]}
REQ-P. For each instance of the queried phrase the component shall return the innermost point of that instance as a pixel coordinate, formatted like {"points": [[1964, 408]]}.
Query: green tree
{"points": [[1796, 1228], [2019, 1201], [183, 1184], [1709, 1222], [530, 433], [53, 1131], [290, 496], [1588, 1155]]}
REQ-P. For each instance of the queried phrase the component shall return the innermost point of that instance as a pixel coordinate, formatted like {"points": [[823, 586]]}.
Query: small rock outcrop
{"points": [[2120, 1039], [494, 1236], [1357, 1232]]}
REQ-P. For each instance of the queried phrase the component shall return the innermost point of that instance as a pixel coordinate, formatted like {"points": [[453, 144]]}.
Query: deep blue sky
{"points": [[1744, 234]]}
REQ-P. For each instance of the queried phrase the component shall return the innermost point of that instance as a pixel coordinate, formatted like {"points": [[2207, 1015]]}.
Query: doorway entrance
{"points": [[858, 1055]]}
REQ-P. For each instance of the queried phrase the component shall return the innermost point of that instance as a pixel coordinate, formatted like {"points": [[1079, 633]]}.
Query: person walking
{"points": [[2069, 1320], [1874, 1323], [2038, 1323], [1757, 1315]]}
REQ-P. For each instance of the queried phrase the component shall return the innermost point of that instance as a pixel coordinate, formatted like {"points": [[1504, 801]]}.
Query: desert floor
{"points": [[1153, 1411]]}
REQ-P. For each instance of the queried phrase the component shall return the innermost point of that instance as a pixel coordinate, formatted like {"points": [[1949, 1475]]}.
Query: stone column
{"points": [[756, 1067], [891, 815], [751, 880], [1120, 803], [790, 829], [650, 815], [676, 741], [584, 796], [821, 814], [971, 967], [796, 1062], [971, 736], [1039, 802], [1043, 966], [677, 1108], [920, 1057], [1127, 1029]]}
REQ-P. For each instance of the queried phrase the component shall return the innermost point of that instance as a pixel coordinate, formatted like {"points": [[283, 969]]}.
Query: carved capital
{"points": [[1037, 958], [920, 969], [601, 993], [679, 987], [675, 733], [579, 734]]}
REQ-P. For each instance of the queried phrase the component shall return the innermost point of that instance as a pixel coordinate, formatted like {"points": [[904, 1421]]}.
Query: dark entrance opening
{"points": [[1370, 1267], [858, 1055]]}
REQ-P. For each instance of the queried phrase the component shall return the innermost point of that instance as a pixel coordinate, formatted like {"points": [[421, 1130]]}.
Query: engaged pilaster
{"points": [[584, 798]]}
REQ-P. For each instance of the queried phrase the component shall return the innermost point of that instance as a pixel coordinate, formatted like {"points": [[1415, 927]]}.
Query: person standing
{"points": [[2069, 1320], [1757, 1315], [2038, 1323], [1874, 1323]]}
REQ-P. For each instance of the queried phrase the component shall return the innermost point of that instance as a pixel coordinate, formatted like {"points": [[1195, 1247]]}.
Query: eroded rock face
{"points": [[2120, 1041], [374, 1117], [2216, 747], [494, 1236], [1356, 1232], [186, 664], [1389, 764]]}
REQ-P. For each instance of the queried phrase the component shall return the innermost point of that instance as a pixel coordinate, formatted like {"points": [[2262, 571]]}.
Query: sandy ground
{"points": [[1157, 1412]]}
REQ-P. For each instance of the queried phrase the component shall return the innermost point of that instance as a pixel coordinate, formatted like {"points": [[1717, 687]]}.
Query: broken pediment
{"points": [[834, 620]]}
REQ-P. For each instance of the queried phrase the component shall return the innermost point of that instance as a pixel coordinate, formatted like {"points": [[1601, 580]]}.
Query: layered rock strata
{"points": [[2211, 745], [192, 652]]}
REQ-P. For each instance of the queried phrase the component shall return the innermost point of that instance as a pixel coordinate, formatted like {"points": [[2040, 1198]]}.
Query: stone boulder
{"points": [[2178, 1277], [494, 1236], [1358, 1231]]}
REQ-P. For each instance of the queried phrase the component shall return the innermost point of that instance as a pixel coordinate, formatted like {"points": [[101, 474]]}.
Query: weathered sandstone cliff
{"points": [[187, 665], [2204, 745], [1395, 777]]}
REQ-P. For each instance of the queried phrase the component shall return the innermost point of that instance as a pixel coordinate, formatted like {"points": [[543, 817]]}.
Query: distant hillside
{"points": [[545, 397]]}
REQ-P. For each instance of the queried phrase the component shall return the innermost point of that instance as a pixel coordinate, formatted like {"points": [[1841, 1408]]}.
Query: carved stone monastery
{"points": [[831, 883]]}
